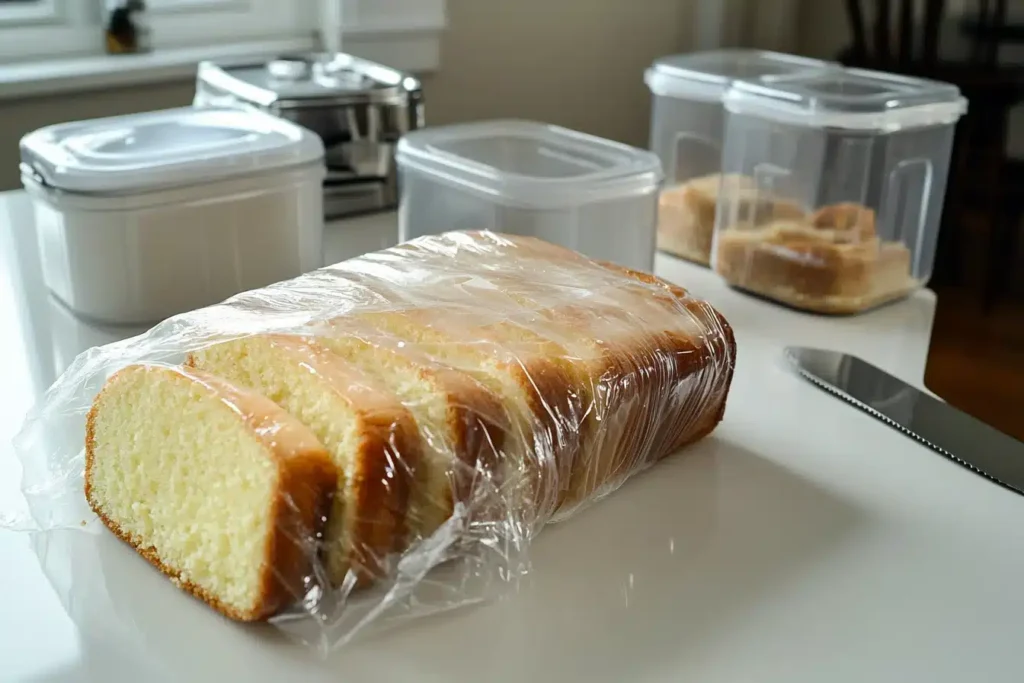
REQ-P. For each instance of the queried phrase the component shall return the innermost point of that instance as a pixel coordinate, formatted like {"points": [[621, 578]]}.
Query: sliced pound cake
{"points": [[216, 486], [462, 424], [371, 437], [629, 366], [530, 382]]}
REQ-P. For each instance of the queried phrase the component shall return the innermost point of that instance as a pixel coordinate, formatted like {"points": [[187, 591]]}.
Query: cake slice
{"points": [[216, 486], [463, 425], [372, 439], [538, 402]]}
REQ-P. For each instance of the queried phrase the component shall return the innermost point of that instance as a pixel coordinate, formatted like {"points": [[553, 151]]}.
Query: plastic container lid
{"points": [[162, 149], [708, 75], [530, 164], [854, 99]]}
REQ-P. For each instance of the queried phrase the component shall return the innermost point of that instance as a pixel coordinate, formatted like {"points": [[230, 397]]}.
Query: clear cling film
{"points": [[379, 439]]}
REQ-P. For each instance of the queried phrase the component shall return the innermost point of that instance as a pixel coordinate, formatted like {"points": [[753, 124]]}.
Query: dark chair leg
{"points": [[949, 267], [1002, 251]]}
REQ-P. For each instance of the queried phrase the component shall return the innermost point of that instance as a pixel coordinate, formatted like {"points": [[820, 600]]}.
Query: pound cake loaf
{"points": [[608, 352], [216, 486], [473, 372], [371, 437]]}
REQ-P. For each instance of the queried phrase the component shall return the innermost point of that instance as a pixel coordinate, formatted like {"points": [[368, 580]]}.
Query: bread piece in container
{"points": [[832, 263], [686, 212], [215, 485], [372, 438], [846, 222]]}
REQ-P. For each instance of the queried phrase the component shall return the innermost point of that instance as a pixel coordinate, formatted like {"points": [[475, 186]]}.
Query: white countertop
{"points": [[803, 541]]}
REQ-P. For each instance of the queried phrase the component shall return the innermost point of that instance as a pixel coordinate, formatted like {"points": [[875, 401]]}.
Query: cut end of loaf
{"points": [[177, 468]]}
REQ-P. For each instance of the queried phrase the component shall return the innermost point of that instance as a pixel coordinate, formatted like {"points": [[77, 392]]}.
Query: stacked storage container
{"points": [[687, 133], [838, 185]]}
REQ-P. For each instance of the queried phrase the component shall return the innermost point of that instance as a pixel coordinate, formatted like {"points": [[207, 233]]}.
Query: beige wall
{"points": [[822, 29], [578, 63]]}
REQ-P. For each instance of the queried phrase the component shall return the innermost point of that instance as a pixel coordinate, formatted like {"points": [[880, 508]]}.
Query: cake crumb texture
{"points": [[217, 487]]}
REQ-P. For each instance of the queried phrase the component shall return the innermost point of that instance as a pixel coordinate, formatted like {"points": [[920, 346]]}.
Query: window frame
{"points": [[31, 13], [191, 23], [375, 29], [60, 25]]}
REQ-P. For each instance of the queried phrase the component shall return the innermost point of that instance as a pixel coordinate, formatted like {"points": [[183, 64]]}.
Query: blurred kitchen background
{"points": [[579, 63]]}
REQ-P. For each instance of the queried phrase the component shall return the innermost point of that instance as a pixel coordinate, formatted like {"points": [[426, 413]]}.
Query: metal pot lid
{"points": [[318, 79]]}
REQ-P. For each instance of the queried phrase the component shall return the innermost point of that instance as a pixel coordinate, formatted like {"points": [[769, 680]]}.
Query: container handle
{"points": [[895, 209]]}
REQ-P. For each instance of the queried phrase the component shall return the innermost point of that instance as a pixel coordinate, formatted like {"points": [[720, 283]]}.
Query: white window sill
{"points": [[416, 51]]}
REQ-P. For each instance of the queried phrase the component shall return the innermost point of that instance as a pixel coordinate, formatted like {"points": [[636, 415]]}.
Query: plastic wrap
{"points": [[378, 439]]}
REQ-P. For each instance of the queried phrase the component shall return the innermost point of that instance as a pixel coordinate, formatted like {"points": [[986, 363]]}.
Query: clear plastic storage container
{"points": [[687, 131], [838, 185], [592, 195]]}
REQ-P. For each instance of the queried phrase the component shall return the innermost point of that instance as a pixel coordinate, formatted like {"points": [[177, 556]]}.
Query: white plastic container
{"points": [[583, 192], [687, 132], [839, 181], [141, 217]]}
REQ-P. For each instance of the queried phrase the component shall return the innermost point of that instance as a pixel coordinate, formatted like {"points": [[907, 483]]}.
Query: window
{"points": [[26, 10], [35, 30], [27, 25]]}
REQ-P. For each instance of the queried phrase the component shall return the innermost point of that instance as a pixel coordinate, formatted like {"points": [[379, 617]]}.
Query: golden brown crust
{"points": [[389, 456], [476, 419], [478, 424], [634, 409], [307, 478], [305, 489], [637, 374]]}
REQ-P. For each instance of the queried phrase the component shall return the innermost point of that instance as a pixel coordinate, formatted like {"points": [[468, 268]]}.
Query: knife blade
{"points": [[933, 423]]}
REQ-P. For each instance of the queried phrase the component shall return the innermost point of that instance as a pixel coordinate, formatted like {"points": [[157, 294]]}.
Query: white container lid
{"points": [[163, 149], [529, 164], [855, 99], [708, 75]]}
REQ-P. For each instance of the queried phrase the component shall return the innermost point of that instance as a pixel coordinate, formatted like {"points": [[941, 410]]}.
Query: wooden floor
{"points": [[976, 360]]}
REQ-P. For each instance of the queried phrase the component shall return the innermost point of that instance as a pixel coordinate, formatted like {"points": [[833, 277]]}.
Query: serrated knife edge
{"points": [[821, 384]]}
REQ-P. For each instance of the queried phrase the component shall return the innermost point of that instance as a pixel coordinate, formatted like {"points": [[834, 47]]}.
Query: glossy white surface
{"points": [[802, 542]]}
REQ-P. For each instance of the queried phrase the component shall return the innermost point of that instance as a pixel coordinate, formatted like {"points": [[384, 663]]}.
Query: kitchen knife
{"points": [[937, 425]]}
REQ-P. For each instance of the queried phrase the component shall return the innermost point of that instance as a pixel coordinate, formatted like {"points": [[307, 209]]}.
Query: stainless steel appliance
{"points": [[937, 425], [359, 108]]}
